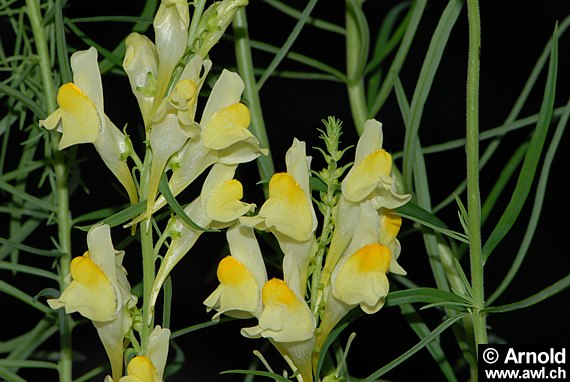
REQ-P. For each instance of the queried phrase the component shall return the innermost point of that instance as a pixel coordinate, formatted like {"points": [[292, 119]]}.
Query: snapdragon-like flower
{"points": [[218, 206], [81, 119], [289, 214], [224, 136], [241, 275], [150, 366], [370, 179], [359, 277], [100, 292], [288, 322]]}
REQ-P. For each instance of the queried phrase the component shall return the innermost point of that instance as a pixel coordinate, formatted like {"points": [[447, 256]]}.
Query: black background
{"points": [[513, 36]]}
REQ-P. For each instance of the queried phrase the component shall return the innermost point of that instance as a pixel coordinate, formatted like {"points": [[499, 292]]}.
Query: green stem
{"points": [[355, 80], [473, 196], [148, 256], [61, 184], [246, 71]]}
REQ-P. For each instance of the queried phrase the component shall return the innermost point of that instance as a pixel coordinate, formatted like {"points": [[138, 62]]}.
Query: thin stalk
{"points": [[148, 256], [473, 195], [61, 183], [246, 71], [355, 80]]}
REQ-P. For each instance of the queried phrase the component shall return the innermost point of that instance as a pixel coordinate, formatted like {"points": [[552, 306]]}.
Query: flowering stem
{"points": [[61, 180], [148, 256], [355, 80], [473, 196], [245, 68]]}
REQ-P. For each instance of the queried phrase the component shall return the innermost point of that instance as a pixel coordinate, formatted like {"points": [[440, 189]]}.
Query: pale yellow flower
{"points": [[150, 366], [359, 276], [218, 206], [99, 291], [369, 180], [288, 322], [241, 276], [285, 316], [81, 119], [289, 214]]}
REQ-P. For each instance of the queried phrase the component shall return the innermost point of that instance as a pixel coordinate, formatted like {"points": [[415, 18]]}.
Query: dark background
{"points": [[513, 36]]}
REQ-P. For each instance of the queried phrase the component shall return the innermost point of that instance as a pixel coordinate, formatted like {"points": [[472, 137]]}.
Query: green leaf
{"points": [[333, 335], [173, 203], [40, 203], [536, 208], [120, 217], [317, 23], [27, 248], [275, 377], [531, 159], [433, 335], [92, 373], [17, 293], [422, 331], [26, 363], [386, 41], [287, 44], [423, 295], [354, 10], [423, 86], [416, 13], [10, 376], [550, 291], [419, 215], [203, 325], [29, 270]]}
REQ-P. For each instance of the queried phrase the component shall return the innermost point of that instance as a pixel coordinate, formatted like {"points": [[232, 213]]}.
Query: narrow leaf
{"points": [[173, 203], [531, 160], [433, 335]]}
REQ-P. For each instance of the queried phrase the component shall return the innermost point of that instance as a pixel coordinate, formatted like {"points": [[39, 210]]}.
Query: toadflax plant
{"points": [[306, 265]]}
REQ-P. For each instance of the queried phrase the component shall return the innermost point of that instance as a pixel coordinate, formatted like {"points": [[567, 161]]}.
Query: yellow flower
{"points": [[285, 316], [99, 291], [361, 278], [222, 136], [150, 366], [81, 118], [369, 180], [390, 224], [241, 276], [287, 320], [289, 214], [218, 206], [370, 176]]}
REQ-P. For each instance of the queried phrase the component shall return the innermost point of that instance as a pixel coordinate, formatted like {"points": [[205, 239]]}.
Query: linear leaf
{"points": [[413, 350], [288, 43], [427, 74], [27, 197], [173, 203], [121, 216], [17, 293], [275, 377], [422, 330], [317, 23], [416, 13], [28, 269], [547, 292], [200, 326], [27, 248], [531, 160], [536, 208], [419, 215], [423, 295]]}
